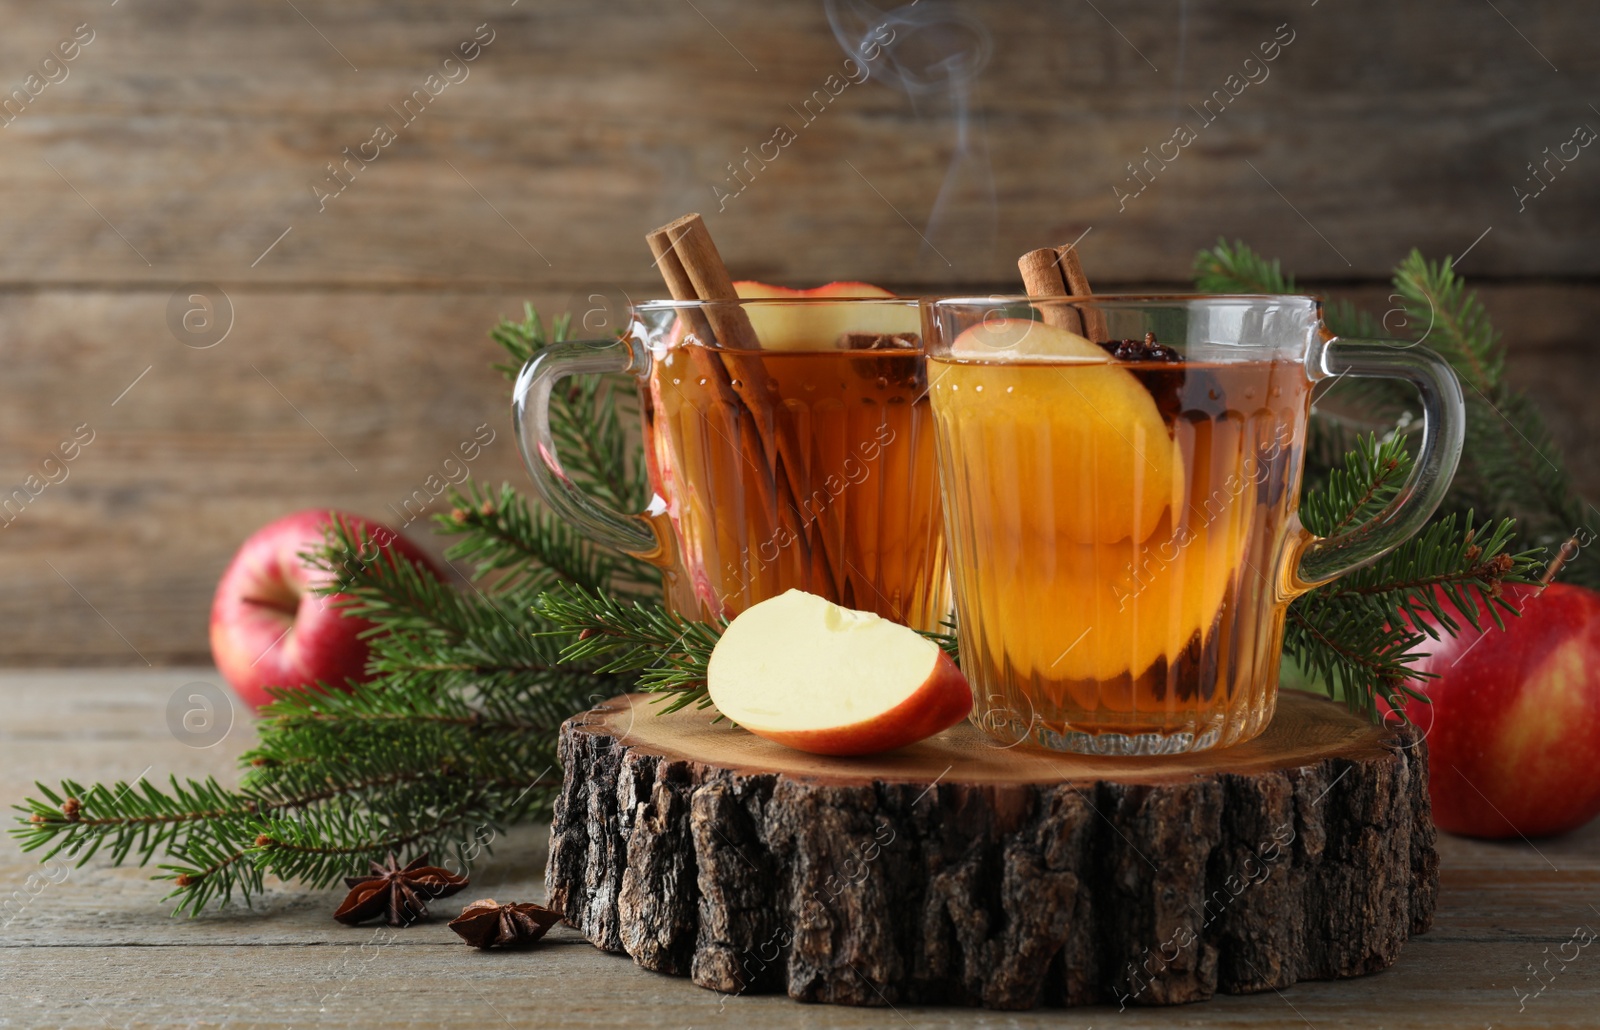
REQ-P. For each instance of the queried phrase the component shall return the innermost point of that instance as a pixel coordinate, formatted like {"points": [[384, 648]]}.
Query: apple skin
{"points": [[801, 327], [1513, 730], [816, 676], [943, 700], [818, 325], [749, 289], [267, 626]]}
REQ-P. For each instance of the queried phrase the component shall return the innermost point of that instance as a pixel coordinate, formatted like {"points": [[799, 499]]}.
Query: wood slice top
{"points": [[1305, 730]]}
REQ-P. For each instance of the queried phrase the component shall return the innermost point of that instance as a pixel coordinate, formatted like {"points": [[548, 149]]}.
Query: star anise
{"points": [[400, 895], [487, 923]]}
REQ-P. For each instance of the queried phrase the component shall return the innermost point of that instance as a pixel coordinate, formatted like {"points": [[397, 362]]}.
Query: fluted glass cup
{"points": [[1123, 530], [789, 444]]}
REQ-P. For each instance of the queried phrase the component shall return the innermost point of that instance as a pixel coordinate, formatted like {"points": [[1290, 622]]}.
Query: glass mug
{"points": [[1123, 534], [789, 445]]}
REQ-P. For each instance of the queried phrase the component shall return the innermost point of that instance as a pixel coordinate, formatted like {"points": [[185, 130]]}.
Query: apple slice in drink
{"points": [[1046, 406], [803, 327], [1023, 338], [749, 289], [1068, 461], [802, 671], [796, 327], [1114, 609]]}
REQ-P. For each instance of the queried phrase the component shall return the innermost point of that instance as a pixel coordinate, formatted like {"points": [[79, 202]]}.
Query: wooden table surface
{"points": [[98, 949]]}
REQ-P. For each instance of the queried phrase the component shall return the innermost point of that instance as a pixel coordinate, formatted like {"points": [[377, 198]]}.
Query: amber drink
{"points": [[856, 519], [1121, 517], [789, 445]]}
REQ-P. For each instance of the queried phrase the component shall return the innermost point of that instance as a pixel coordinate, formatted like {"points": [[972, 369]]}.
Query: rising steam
{"points": [[935, 56]]}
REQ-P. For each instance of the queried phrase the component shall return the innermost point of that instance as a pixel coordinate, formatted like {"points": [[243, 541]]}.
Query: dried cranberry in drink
{"points": [[907, 369], [1164, 386], [1146, 349]]}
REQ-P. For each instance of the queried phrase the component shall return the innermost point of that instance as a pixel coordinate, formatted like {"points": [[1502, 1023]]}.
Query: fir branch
{"points": [[1454, 322], [947, 641], [212, 833], [522, 340], [127, 818], [445, 811], [1464, 567], [213, 872], [588, 419], [1345, 319], [1355, 655], [318, 845], [408, 734], [375, 582], [1359, 634], [426, 628], [531, 549], [670, 653], [457, 732], [1510, 463], [1371, 478], [1238, 269]]}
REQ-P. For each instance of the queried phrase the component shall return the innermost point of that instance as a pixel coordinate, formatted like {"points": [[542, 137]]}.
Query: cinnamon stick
{"points": [[1042, 277], [1094, 320], [696, 259], [1057, 272], [693, 269], [708, 278], [706, 366], [704, 363]]}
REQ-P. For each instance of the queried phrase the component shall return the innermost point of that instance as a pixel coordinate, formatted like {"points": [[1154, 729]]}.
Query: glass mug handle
{"points": [[1444, 422], [530, 413]]}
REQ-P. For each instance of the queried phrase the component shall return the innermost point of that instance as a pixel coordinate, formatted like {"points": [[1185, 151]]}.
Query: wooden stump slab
{"points": [[961, 872]]}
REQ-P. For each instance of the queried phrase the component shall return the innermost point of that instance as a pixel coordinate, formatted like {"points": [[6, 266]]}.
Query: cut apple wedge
{"points": [[801, 327], [804, 672], [749, 289], [1021, 338], [1046, 406]]}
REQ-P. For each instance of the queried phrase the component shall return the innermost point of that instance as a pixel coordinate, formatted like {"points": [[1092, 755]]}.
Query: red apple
{"points": [[801, 327], [749, 289], [268, 628], [804, 672], [1513, 730]]}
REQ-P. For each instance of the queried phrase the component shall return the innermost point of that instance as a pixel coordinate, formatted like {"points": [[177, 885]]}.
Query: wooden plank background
{"points": [[180, 142]]}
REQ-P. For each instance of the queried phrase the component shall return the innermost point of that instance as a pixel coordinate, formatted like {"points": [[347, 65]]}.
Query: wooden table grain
{"points": [[98, 949]]}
